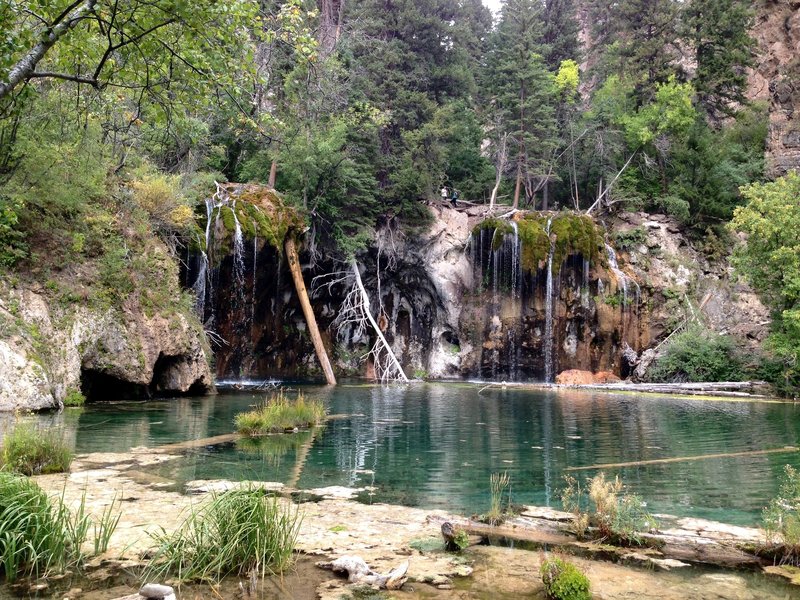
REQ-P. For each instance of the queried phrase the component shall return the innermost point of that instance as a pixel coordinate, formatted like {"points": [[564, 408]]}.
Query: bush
{"points": [[277, 413], [239, 531], [617, 516], [698, 354], [32, 451], [782, 516], [630, 238], [38, 535], [74, 398], [563, 580]]}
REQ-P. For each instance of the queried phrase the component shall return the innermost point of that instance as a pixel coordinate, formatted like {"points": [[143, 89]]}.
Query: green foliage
{"points": [[615, 515], [39, 536], [782, 517], [32, 451], [74, 397], [698, 354], [239, 531], [277, 413], [719, 33], [461, 539], [628, 239], [563, 580], [770, 259], [567, 78]]}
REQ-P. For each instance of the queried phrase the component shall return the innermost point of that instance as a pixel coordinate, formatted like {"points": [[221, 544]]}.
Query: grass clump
{"points": [[605, 510], [698, 354], [38, 535], [240, 531], [499, 490], [563, 580], [278, 413], [31, 451]]}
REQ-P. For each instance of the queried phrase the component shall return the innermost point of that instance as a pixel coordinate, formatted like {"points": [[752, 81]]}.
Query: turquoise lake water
{"points": [[436, 445]]}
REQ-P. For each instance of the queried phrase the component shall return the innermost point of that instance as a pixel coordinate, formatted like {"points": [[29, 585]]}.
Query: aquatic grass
{"points": [[241, 531], [37, 535], [606, 510], [278, 413], [498, 484], [33, 451], [272, 448]]}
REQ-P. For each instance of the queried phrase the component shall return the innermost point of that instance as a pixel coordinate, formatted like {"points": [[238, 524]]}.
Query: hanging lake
{"points": [[436, 445]]}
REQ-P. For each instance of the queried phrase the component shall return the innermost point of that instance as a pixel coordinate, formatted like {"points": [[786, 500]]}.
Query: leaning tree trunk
{"points": [[311, 321]]}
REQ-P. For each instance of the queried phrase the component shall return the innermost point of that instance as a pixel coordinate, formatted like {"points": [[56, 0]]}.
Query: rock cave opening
{"points": [[96, 385]]}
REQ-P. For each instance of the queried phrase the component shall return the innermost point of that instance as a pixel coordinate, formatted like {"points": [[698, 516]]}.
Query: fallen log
{"points": [[694, 541]]}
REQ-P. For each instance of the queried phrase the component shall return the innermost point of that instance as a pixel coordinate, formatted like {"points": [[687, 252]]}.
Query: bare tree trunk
{"points": [[515, 206], [26, 66], [273, 174], [545, 196], [500, 166], [311, 321], [330, 24], [365, 299]]}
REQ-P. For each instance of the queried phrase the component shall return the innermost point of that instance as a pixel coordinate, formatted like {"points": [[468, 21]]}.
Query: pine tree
{"points": [[717, 31], [560, 35], [524, 94]]}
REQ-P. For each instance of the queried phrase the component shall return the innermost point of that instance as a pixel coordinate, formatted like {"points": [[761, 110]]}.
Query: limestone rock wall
{"points": [[776, 80], [46, 351]]}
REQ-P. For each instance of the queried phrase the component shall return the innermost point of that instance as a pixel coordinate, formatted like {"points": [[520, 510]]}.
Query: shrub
{"points": [[277, 413], [239, 531], [74, 398], [563, 581], [32, 451], [698, 354], [39, 535], [630, 238], [605, 505], [782, 516]]}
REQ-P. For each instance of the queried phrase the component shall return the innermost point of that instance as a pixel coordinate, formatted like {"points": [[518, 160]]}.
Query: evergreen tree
{"points": [[523, 95], [717, 31], [560, 35], [641, 40]]}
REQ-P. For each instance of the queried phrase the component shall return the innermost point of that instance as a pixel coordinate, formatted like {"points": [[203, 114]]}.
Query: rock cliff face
{"points": [[47, 351], [509, 300], [776, 80]]}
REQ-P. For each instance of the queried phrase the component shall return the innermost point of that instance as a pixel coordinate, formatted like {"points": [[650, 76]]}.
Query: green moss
{"points": [[74, 397], [500, 228], [228, 218], [572, 234], [534, 241]]}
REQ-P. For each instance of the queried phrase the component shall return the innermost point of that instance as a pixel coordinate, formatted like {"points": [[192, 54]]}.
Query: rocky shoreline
{"points": [[385, 536]]}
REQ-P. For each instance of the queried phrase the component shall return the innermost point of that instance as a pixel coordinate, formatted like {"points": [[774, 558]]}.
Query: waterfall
{"points": [[622, 278], [548, 326], [203, 278], [238, 247], [585, 286], [516, 272]]}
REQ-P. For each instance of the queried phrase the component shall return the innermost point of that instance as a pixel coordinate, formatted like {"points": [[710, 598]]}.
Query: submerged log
{"points": [[308, 312]]}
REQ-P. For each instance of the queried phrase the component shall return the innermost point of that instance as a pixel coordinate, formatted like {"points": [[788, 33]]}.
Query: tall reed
{"points": [[40, 535], [240, 531]]}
